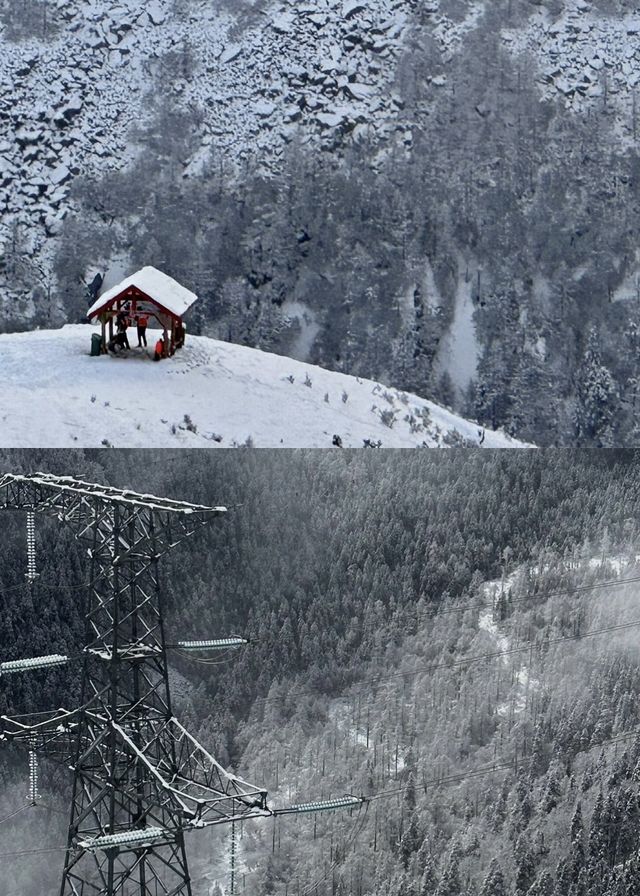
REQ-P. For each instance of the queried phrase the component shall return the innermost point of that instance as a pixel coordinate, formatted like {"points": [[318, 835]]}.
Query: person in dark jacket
{"points": [[123, 323], [118, 343]]}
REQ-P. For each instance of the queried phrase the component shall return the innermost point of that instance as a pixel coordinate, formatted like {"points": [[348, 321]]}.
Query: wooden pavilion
{"points": [[148, 293]]}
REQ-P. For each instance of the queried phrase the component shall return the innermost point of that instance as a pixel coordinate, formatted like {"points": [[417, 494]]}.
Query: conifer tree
{"points": [[525, 866], [494, 883], [429, 879], [449, 884], [597, 397]]}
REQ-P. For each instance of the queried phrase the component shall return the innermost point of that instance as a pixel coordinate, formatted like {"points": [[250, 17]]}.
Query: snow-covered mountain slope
{"points": [[210, 393]]}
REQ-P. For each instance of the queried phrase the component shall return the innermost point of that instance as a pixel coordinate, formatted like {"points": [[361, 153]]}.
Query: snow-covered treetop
{"points": [[158, 286]]}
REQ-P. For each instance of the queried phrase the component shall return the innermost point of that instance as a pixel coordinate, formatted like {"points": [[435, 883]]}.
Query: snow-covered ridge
{"points": [[210, 393]]}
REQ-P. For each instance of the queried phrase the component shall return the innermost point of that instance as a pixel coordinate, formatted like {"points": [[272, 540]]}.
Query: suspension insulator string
{"points": [[33, 776], [32, 573], [233, 852]]}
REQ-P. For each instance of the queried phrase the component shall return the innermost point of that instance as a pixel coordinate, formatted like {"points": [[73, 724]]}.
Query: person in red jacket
{"points": [[160, 349], [142, 322]]}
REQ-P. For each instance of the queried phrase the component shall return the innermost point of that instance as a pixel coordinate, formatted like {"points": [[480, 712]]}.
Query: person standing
{"points": [[143, 321], [123, 323]]}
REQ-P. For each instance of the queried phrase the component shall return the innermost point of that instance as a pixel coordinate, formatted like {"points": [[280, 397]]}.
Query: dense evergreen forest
{"points": [[452, 634]]}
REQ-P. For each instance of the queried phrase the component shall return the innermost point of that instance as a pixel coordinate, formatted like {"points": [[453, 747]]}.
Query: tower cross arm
{"points": [[34, 486], [199, 788], [53, 733]]}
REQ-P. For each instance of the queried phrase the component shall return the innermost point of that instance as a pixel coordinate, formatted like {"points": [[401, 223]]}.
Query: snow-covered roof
{"points": [[158, 286]]}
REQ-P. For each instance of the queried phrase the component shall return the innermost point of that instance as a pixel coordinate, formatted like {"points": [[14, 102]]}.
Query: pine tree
{"points": [[577, 827], [500, 814], [552, 788], [423, 856], [522, 809], [525, 865], [410, 840], [494, 884], [543, 885], [538, 757], [409, 796], [611, 818], [577, 855], [429, 880], [563, 878], [627, 836], [597, 398], [450, 882]]}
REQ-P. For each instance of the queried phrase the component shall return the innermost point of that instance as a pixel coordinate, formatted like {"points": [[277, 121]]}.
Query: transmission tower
{"points": [[140, 779]]}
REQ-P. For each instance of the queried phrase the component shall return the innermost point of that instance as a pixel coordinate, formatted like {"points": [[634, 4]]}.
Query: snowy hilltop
{"points": [[210, 393]]}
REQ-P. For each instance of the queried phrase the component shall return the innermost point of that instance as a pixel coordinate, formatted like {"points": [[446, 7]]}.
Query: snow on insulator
{"points": [[38, 662], [135, 838], [33, 777], [343, 802], [125, 652], [31, 574], [219, 644]]}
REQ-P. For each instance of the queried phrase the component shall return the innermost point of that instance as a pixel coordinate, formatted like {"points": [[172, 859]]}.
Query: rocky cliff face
{"points": [[74, 89], [80, 79], [585, 56]]}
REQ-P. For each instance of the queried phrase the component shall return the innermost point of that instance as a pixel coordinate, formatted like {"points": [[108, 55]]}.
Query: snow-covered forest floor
{"points": [[209, 394]]}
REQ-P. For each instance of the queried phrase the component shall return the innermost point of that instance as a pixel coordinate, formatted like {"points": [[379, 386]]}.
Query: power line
{"points": [[357, 829], [13, 814], [447, 610], [437, 611], [223, 661], [515, 764], [31, 852], [445, 781], [535, 594], [42, 584], [467, 661]]}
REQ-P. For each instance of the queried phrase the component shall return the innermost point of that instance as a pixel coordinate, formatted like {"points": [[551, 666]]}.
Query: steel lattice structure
{"points": [[140, 779]]}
